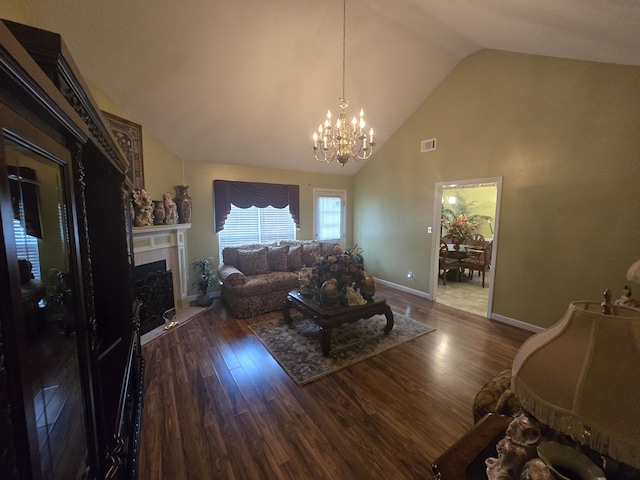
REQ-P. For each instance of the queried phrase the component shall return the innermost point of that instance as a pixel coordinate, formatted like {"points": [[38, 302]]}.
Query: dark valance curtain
{"points": [[249, 194]]}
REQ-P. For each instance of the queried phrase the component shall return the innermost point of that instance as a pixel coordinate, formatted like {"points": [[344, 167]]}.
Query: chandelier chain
{"points": [[344, 140], [344, 43]]}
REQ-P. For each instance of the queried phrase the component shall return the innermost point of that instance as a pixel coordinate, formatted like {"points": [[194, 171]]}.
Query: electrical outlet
{"points": [[429, 229], [409, 274]]}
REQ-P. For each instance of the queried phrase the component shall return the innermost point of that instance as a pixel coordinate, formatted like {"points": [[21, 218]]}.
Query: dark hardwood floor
{"points": [[217, 406]]}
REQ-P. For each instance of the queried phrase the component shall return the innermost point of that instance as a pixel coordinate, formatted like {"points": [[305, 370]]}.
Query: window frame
{"points": [[319, 193]]}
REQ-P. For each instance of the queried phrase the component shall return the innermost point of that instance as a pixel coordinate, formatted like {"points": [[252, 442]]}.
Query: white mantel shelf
{"points": [[164, 242]]}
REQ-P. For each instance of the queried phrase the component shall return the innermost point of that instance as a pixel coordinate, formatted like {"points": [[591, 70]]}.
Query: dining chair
{"points": [[446, 263], [474, 245], [478, 263]]}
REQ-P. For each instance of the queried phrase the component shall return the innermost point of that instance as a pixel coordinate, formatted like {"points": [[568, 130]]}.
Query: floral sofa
{"points": [[256, 278]]}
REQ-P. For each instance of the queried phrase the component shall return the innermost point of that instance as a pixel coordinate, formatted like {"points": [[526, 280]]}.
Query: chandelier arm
{"points": [[327, 156]]}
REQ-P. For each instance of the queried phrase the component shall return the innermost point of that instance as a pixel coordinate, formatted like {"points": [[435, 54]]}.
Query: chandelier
{"points": [[345, 139]]}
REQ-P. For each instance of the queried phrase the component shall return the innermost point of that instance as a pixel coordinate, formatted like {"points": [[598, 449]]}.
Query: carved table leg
{"points": [[325, 339], [389, 314], [286, 308]]}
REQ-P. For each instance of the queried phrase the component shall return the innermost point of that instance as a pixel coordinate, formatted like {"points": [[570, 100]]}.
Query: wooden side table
{"points": [[464, 460]]}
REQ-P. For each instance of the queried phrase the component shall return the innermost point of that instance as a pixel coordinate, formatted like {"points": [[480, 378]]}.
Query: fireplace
{"points": [[165, 242], [154, 289]]}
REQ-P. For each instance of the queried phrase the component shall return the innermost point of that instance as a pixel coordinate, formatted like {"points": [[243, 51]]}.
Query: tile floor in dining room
{"points": [[467, 295]]}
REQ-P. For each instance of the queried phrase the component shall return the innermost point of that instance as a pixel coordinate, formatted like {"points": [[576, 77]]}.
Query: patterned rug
{"points": [[298, 349]]}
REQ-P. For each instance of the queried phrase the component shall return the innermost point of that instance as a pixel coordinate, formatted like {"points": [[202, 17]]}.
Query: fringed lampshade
{"points": [[582, 378]]}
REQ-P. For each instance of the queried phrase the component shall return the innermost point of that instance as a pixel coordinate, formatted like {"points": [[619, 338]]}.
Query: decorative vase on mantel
{"points": [[183, 201]]}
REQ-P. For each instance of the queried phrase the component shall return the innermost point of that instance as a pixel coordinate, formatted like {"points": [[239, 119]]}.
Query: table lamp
{"points": [[581, 377], [633, 273]]}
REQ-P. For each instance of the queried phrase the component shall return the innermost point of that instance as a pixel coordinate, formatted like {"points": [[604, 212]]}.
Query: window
{"points": [[329, 219], [27, 247], [256, 225]]}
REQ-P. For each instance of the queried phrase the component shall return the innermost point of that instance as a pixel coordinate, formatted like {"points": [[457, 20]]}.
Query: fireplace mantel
{"points": [[165, 242]]}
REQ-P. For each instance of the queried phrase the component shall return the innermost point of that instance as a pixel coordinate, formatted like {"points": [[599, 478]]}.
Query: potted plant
{"points": [[458, 222], [206, 270], [58, 299]]}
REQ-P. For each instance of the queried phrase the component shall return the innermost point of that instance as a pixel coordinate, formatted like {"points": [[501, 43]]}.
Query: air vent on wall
{"points": [[428, 145]]}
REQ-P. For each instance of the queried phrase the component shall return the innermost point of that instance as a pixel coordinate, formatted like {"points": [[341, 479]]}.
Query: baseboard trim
{"points": [[494, 316], [404, 289], [516, 323], [192, 298]]}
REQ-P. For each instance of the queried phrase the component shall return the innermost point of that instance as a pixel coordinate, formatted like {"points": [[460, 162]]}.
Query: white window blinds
{"points": [[256, 225]]}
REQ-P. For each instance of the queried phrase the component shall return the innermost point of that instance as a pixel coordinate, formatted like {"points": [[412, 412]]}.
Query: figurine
{"points": [[143, 208], [515, 449], [536, 470], [354, 298], [626, 298], [170, 209]]}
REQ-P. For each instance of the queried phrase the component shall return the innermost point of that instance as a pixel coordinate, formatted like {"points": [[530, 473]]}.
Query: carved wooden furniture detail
{"points": [[74, 377]]}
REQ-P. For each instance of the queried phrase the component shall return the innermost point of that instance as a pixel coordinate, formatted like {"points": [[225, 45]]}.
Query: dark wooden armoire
{"points": [[71, 369]]}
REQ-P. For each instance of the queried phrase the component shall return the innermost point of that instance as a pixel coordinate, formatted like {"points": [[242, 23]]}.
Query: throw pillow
{"points": [[294, 258], [309, 252], [253, 262], [230, 256], [277, 257]]}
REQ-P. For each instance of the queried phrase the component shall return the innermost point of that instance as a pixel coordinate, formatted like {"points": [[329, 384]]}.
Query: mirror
{"points": [[41, 229]]}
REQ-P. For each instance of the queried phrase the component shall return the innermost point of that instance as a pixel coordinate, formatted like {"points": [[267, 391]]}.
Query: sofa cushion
{"points": [[309, 252], [230, 257], [253, 262], [330, 248], [230, 254], [266, 283], [294, 258], [277, 257]]}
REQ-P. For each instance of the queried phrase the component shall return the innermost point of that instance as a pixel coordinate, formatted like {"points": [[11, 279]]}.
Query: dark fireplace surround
{"points": [[154, 289]]}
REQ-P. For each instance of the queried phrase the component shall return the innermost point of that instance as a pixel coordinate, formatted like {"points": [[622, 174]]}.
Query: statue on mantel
{"points": [[170, 209], [142, 208]]}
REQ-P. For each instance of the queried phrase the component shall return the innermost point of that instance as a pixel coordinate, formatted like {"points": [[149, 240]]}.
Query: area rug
{"points": [[298, 349]]}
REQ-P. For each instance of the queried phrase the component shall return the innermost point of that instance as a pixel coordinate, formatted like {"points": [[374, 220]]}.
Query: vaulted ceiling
{"points": [[248, 81]]}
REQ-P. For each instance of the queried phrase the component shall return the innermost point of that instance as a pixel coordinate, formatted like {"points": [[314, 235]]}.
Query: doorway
{"points": [[478, 199]]}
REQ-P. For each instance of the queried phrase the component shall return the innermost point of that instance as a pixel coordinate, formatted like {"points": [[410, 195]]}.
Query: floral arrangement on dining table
{"points": [[338, 279], [460, 227]]}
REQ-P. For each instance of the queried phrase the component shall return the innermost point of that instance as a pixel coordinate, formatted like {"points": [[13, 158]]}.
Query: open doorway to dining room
{"points": [[461, 209]]}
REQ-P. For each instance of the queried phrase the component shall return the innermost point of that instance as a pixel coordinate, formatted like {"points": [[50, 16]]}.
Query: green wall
{"points": [[562, 134], [201, 237], [13, 10]]}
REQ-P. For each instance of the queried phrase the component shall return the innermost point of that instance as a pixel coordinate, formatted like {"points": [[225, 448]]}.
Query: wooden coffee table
{"points": [[329, 318]]}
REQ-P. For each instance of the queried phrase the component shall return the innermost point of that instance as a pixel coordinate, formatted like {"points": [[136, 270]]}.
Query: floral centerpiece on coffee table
{"points": [[343, 273]]}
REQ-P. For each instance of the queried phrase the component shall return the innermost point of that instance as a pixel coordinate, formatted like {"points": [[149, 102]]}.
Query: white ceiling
{"points": [[248, 81]]}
